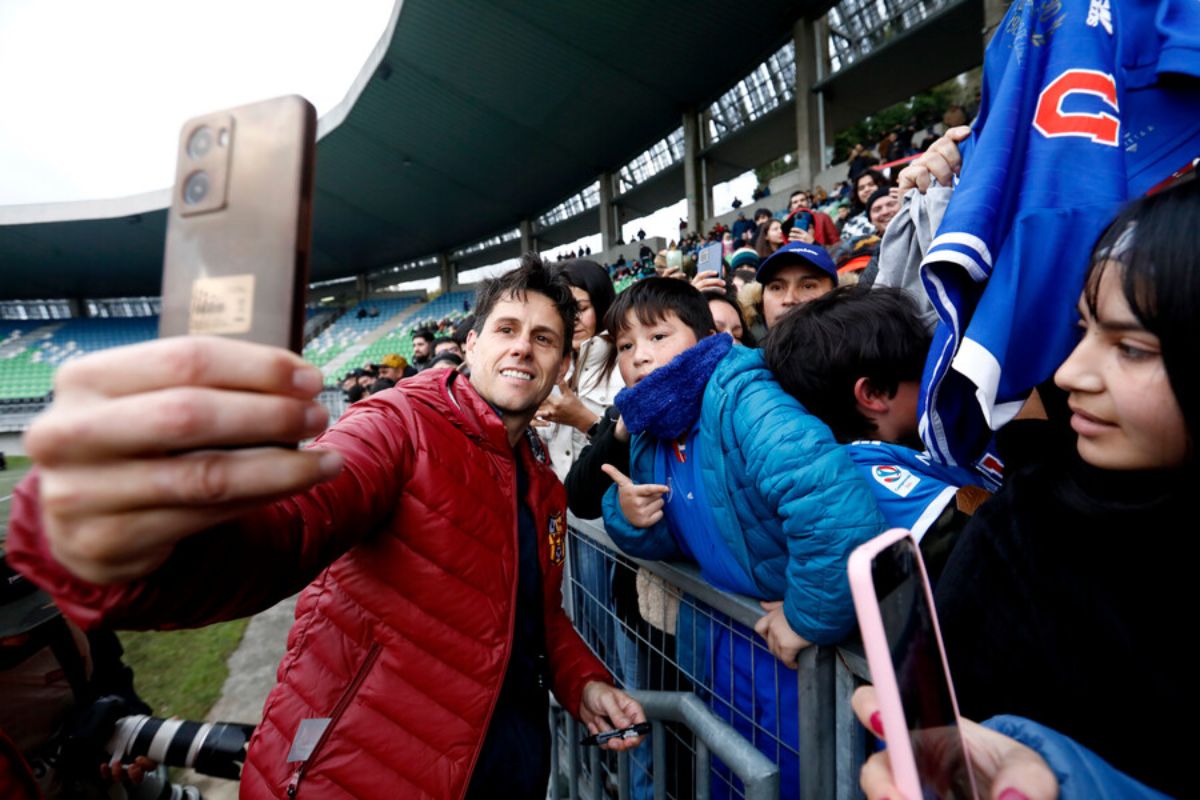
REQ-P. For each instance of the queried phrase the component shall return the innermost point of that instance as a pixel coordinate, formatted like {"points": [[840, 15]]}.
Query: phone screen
{"points": [[925, 693]]}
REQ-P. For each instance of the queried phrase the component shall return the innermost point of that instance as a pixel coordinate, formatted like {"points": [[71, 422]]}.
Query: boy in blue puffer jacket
{"points": [[730, 471]]}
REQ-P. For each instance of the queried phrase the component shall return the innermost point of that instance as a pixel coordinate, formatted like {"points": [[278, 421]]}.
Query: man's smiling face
{"points": [[517, 358]]}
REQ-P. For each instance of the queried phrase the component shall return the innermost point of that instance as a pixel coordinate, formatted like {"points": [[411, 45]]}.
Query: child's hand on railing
{"points": [[783, 642]]}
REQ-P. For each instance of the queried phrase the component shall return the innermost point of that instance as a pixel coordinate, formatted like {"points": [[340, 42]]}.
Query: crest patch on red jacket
{"points": [[558, 537]]}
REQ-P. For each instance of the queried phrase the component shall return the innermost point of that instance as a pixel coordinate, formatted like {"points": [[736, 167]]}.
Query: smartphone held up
{"points": [[908, 667], [239, 226]]}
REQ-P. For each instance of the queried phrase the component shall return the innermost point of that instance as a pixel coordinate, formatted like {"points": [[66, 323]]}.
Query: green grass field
{"points": [[17, 467], [179, 673]]}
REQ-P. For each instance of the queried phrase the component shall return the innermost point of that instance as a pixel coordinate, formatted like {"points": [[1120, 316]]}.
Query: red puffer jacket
{"points": [[403, 637]]}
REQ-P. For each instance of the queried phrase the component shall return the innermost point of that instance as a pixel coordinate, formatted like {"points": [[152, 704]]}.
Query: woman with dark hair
{"points": [[1062, 590], [865, 185], [770, 238], [580, 400], [728, 316]]}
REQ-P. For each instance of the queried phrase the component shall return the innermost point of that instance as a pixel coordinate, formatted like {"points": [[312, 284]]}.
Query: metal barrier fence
{"points": [[709, 684]]}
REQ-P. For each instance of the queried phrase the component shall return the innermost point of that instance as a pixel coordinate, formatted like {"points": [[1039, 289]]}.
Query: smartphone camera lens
{"points": [[195, 188], [200, 142]]}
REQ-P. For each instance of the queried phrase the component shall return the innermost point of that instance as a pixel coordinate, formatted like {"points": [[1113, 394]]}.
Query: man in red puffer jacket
{"points": [[426, 524]]}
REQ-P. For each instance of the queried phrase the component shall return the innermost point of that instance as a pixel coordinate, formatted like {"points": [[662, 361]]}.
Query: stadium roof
{"points": [[471, 117]]}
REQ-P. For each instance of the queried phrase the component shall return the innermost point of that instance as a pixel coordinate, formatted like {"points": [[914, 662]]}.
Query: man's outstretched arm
{"points": [[139, 514]]}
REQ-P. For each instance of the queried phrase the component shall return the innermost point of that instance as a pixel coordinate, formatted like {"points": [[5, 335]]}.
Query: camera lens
{"points": [[200, 142], [195, 188]]}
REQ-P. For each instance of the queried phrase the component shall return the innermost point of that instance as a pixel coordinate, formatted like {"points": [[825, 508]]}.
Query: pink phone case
{"points": [[887, 691]]}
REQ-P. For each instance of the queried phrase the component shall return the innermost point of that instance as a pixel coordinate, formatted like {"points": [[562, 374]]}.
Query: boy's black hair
{"points": [[531, 275], [820, 349], [1156, 241], [424, 333], [651, 299]]}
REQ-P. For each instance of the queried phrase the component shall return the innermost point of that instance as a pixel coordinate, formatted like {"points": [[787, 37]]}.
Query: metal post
{"points": [[817, 747], [609, 228], [695, 186], [572, 757], [554, 714], [703, 771], [850, 736], [808, 111], [446, 271], [594, 771], [529, 242], [658, 738]]}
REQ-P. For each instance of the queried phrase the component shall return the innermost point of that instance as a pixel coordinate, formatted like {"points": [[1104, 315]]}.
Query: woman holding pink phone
{"points": [[1061, 601]]}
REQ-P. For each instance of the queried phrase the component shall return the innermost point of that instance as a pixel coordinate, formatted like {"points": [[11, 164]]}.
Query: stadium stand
{"points": [[31, 350], [352, 326]]}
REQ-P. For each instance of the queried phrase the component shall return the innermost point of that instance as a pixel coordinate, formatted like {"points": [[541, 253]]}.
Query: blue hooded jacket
{"points": [[787, 499], [1081, 774]]}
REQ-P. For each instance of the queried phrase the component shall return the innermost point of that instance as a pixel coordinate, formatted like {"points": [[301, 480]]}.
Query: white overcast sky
{"points": [[93, 92]]}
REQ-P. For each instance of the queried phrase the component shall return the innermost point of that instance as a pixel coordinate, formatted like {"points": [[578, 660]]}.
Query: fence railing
{"points": [[673, 640]]}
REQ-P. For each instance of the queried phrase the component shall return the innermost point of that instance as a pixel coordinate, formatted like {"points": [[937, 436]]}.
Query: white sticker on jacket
{"points": [[307, 736], [896, 479]]}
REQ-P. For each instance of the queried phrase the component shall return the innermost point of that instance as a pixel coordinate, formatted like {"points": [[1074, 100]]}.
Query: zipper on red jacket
{"points": [[512, 615], [343, 703]]}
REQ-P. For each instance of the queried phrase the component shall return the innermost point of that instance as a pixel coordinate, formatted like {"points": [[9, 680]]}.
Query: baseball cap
{"points": [[393, 360], [797, 254]]}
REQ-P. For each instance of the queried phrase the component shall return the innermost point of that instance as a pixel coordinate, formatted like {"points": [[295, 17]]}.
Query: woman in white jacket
{"points": [[581, 399]]}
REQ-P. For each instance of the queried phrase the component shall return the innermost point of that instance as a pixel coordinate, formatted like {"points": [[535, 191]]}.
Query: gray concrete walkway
{"points": [[251, 676]]}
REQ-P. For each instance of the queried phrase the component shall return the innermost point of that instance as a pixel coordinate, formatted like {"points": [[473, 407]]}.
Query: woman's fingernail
{"points": [[315, 417], [1012, 794], [308, 380], [330, 463], [877, 724]]}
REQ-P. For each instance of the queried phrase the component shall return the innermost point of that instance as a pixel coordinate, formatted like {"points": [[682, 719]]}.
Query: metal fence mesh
{"points": [[653, 635]]}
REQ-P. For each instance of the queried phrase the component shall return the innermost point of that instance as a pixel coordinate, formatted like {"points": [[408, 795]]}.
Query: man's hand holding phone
{"points": [[135, 453]]}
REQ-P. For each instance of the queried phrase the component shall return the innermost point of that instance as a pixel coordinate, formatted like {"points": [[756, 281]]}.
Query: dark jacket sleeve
{"points": [[586, 483], [243, 566]]}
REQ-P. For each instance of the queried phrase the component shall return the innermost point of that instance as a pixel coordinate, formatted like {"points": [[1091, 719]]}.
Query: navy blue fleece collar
{"points": [[666, 403]]}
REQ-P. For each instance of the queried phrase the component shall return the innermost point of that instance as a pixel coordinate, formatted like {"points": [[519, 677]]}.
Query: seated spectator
{"points": [[861, 159], [854, 359], [380, 385], [728, 317], [395, 367], [797, 273], [568, 416], [865, 185], [881, 207], [770, 238], [803, 224], [728, 470], [761, 217], [422, 342], [446, 360], [742, 230], [445, 344]]}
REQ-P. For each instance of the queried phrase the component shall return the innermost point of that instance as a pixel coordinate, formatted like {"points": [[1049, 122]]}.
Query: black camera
{"points": [[210, 748]]}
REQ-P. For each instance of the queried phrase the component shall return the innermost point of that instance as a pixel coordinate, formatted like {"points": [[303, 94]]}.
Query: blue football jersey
{"points": [[911, 488], [1085, 103]]}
